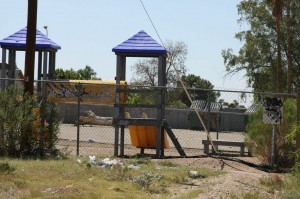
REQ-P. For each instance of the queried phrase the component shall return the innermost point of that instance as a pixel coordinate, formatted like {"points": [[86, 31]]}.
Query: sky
{"points": [[88, 30]]}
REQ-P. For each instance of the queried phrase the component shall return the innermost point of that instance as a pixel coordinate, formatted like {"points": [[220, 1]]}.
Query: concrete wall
{"points": [[227, 120]]}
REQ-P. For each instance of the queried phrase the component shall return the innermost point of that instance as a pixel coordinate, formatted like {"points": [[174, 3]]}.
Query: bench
{"points": [[206, 144]]}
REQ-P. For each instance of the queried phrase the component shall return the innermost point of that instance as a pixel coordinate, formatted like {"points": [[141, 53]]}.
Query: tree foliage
{"points": [[199, 89], [258, 56], [82, 74], [146, 70]]}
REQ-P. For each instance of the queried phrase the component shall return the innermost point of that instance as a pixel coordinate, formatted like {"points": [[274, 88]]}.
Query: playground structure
{"points": [[17, 42], [144, 132], [142, 45]]}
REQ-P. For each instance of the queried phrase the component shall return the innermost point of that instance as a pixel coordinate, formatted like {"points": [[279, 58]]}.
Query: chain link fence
{"points": [[87, 111]]}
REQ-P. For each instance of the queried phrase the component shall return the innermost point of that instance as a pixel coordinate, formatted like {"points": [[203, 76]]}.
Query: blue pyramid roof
{"points": [[140, 43], [18, 39]]}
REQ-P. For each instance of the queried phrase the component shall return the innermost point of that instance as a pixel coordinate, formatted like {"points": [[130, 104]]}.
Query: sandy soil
{"points": [[238, 179]]}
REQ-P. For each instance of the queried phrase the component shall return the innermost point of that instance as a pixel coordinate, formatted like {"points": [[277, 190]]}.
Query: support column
{"points": [[121, 109], [10, 61], [118, 109], [45, 66], [13, 72], [43, 106], [50, 70], [12, 66], [3, 69], [160, 106], [54, 64], [39, 75]]}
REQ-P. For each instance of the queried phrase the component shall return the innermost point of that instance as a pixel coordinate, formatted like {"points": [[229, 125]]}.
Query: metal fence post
{"points": [[273, 146], [42, 128], [79, 87], [298, 118], [208, 119]]}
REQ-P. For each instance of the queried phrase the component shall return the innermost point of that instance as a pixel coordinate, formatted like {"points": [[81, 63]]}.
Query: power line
{"points": [[152, 22]]}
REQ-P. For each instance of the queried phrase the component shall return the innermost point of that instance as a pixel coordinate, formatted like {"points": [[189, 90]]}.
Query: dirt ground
{"points": [[238, 179]]}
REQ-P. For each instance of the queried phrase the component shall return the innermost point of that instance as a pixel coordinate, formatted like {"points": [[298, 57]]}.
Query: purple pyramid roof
{"points": [[18, 39], [139, 43]]}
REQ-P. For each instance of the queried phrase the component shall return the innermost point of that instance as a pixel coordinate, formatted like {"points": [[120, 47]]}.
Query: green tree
{"points": [[146, 71], [259, 56], [277, 13], [82, 74], [87, 73], [289, 46], [199, 89]]}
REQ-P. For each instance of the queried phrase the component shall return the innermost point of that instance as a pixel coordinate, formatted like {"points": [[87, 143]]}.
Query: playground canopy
{"points": [[140, 43], [17, 42]]}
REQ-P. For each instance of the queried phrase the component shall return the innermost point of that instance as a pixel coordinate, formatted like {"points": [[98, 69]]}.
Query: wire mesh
{"points": [[87, 128]]}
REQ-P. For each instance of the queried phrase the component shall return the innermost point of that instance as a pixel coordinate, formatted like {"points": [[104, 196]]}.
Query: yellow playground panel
{"points": [[145, 137], [92, 91]]}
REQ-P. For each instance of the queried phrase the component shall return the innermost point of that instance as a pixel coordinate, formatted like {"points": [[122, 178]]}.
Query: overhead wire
{"points": [[152, 22]]}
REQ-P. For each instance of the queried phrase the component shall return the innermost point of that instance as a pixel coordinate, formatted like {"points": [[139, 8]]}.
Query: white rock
{"points": [[133, 167], [92, 159], [194, 174]]}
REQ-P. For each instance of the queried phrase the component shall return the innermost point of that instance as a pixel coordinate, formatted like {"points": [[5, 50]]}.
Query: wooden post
{"points": [[30, 46], [298, 118]]}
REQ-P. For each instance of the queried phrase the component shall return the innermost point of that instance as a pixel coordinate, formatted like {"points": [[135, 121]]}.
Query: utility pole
{"points": [[30, 45]]}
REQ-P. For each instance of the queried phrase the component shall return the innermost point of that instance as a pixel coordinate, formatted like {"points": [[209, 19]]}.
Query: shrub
{"points": [[295, 154], [259, 136], [6, 168], [20, 125], [146, 180]]}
